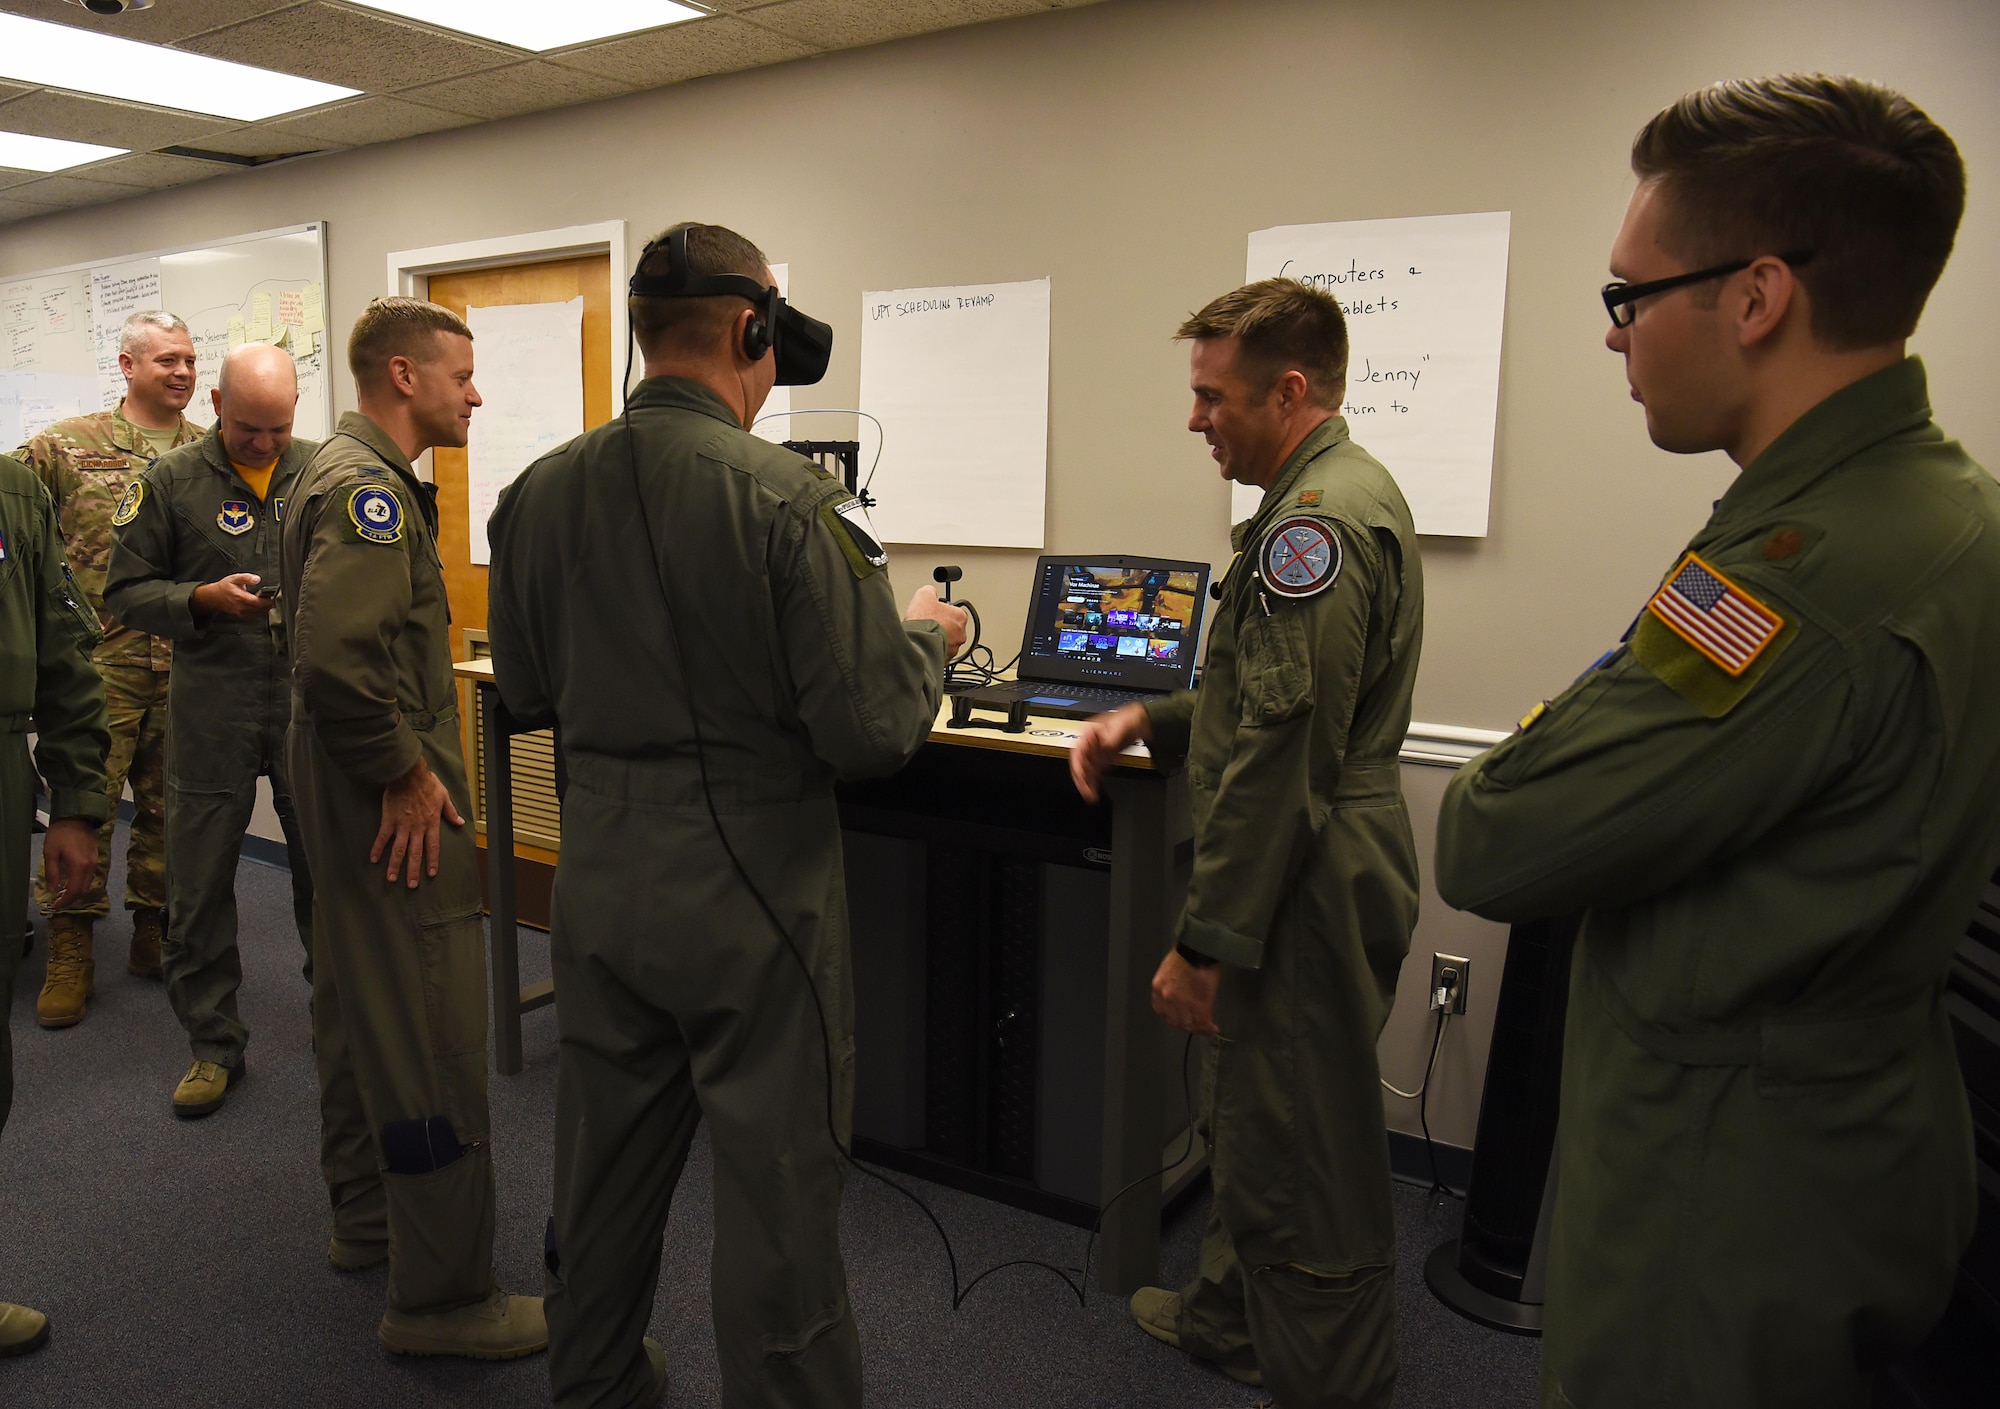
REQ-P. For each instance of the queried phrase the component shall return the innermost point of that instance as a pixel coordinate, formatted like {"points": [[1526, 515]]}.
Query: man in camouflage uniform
{"points": [[45, 638], [1304, 890], [197, 562], [90, 465]]}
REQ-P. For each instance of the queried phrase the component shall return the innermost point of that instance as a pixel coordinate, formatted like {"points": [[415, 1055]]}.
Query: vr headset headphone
{"points": [[802, 345]]}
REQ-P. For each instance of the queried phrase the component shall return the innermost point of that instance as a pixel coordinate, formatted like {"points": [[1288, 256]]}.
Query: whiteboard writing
{"points": [[117, 291], [1424, 299]]}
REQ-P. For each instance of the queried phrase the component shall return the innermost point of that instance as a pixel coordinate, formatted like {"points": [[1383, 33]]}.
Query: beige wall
{"points": [[1126, 150]]}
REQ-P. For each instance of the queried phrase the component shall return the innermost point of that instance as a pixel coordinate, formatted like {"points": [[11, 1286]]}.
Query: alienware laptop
{"points": [[1104, 630]]}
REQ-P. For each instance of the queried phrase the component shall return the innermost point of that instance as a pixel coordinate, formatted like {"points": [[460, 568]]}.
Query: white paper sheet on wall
{"points": [[959, 378], [1425, 299], [528, 366], [779, 426], [31, 402], [116, 292]]}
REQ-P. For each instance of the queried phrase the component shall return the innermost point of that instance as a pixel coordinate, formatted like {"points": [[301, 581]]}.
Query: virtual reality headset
{"points": [[803, 346]]}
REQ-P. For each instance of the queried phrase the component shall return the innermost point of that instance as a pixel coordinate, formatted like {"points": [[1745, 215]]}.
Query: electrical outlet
{"points": [[1451, 980]]}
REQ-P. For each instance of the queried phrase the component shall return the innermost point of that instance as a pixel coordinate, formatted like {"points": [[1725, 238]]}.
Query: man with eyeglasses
{"points": [[1776, 801]]}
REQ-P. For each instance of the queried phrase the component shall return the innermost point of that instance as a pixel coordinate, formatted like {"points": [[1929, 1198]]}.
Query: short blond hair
{"points": [[1280, 326], [397, 327]]}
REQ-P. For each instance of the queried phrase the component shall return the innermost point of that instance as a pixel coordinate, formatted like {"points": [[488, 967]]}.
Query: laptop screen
{"points": [[1107, 619]]}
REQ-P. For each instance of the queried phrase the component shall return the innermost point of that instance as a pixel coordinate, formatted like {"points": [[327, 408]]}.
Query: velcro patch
{"points": [[852, 529], [1664, 639], [1715, 616], [1300, 557], [98, 460], [128, 507], [377, 515], [235, 517]]}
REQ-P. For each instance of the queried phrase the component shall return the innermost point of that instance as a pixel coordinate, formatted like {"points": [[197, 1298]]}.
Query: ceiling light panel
{"points": [[539, 24], [25, 153], [32, 51]]}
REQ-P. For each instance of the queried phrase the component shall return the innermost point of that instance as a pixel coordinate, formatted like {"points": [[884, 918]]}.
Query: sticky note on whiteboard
{"points": [[1425, 298]]}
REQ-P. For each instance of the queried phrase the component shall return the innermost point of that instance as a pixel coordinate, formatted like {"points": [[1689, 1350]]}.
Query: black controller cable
{"points": [[1078, 1286]]}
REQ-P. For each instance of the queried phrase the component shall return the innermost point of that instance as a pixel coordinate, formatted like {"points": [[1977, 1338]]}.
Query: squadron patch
{"points": [[235, 517], [1300, 557], [128, 507], [3, 545], [376, 514], [855, 533]]}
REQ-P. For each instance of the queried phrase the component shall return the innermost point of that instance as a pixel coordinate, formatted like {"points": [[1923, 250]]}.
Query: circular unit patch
{"points": [[1300, 557], [376, 514], [128, 507]]}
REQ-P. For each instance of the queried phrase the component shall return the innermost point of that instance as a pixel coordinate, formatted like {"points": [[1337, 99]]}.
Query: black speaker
{"points": [[1493, 1273]]}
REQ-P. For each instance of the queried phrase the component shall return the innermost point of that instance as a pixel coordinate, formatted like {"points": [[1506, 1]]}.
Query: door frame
{"points": [[410, 270]]}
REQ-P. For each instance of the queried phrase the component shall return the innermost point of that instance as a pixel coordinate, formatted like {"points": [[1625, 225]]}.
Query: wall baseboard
{"points": [[1410, 1162]]}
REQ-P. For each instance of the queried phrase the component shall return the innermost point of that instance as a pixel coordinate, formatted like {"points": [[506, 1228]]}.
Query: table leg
{"points": [[504, 936], [1141, 871]]}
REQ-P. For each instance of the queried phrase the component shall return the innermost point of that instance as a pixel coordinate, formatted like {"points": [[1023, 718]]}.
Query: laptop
{"points": [[1105, 630]]}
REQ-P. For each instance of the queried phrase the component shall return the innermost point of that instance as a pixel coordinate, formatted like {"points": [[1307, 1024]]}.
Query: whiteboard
{"points": [[1425, 299], [60, 326], [958, 379]]}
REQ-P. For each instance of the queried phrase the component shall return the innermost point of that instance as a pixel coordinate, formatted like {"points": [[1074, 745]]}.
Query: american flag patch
{"points": [[1715, 616]]}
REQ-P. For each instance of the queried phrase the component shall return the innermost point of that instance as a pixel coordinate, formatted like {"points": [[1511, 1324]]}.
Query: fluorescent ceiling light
{"points": [[32, 51], [24, 153], [540, 24]]}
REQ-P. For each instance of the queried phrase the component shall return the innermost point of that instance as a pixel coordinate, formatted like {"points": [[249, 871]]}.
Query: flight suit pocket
{"points": [[451, 959], [1275, 667]]}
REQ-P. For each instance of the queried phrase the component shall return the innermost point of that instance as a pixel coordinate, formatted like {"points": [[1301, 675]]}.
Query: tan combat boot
{"points": [[502, 1327], [149, 931], [72, 976], [22, 1329], [202, 1091]]}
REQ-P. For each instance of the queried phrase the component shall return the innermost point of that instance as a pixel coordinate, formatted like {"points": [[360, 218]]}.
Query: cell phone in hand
{"points": [[267, 589]]}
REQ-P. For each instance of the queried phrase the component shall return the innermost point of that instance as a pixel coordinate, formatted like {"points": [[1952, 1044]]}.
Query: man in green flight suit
{"points": [[399, 962], [195, 561], [753, 657], [47, 686], [1776, 801], [1304, 890], [88, 463]]}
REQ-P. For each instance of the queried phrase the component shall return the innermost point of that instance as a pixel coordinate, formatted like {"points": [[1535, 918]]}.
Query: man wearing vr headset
{"points": [[699, 925]]}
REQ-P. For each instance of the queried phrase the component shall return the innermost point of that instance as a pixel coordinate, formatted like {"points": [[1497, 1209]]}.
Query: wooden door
{"points": [[537, 834]]}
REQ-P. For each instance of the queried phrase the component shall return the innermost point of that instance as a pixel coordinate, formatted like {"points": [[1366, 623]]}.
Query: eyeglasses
{"points": [[1619, 296]]}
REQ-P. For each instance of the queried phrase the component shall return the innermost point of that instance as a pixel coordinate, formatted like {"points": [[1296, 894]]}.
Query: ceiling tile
{"points": [[260, 139], [64, 191], [359, 121], [11, 176], [14, 90], [662, 56], [82, 118], [154, 169], [844, 24], [522, 88], [359, 49], [11, 209], [164, 23]]}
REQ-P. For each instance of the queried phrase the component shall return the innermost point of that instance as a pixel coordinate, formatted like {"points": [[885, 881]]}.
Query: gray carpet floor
{"points": [[183, 1263]]}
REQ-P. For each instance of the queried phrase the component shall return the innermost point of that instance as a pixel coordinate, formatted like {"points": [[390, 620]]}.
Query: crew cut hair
{"points": [[140, 326], [1848, 171], [691, 326], [397, 327], [1280, 326]]}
